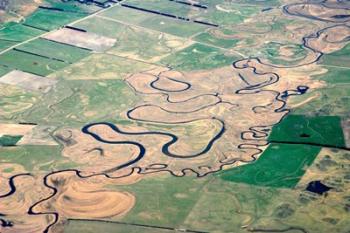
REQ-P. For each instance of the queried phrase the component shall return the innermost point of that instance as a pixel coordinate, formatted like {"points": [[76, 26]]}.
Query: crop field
{"points": [[134, 42], [17, 59], [18, 32], [174, 116], [47, 20], [292, 159], [154, 21], [198, 56], [53, 50]]}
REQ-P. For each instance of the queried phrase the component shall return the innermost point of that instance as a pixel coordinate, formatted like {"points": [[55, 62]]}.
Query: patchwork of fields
{"points": [[167, 116]]}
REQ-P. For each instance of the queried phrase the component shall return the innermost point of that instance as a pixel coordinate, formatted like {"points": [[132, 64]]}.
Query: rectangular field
{"points": [[54, 50], [152, 21], [198, 57], [48, 19], [30, 63], [18, 32], [134, 42]]}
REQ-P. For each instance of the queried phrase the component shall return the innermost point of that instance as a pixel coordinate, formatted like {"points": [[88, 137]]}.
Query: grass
{"points": [[14, 100], [208, 38], [133, 42], [48, 20], [338, 58], [13, 33], [272, 51], [4, 44], [322, 130], [74, 226], [161, 6], [333, 99], [76, 102], [4, 70], [18, 32], [163, 200], [102, 67], [30, 63], [9, 140], [35, 158], [197, 57], [54, 50], [154, 22], [291, 160], [335, 75], [71, 6]]}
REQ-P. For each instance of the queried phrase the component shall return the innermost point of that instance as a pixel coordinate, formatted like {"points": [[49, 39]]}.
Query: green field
{"points": [[14, 100], [333, 99], [335, 75], [102, 67], [18, 32], [9, 140], [13, 33], [161, 6], [339, 58], [153, 21], [4, 70], [4, 44], [209, 38], [80, 226], [320, 130], [30, 63], [272, 52], [71, 6], [36, 158], [54, 50], [163, 200], [48, 20], [291, 160], [75, 102], [198, 57], [133, 42]]}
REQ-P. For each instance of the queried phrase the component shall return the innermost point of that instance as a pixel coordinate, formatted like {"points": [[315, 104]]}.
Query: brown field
{"points": [[15, 129], [27, 81], [81, 39]]}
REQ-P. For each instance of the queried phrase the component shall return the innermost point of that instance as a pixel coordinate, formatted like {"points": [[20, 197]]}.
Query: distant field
{"points": [[157, 196], [333, 99], [71, 6], [43, 158], [222, 13], [338, 58], [81, 226], [208, 38], [76, 102], [134, 42], [14, 100], [155, 22], [102, 67], [197, 57]]}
